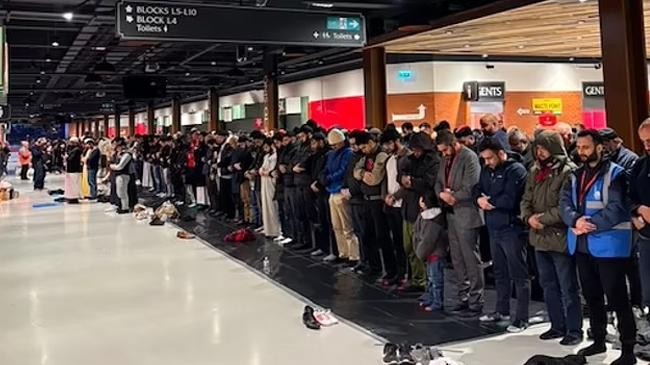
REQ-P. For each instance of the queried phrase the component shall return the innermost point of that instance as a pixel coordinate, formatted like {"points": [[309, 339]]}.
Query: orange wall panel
{"points": [[515, 100]]}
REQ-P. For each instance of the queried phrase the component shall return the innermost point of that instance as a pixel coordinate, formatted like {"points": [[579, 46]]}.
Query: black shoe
{"points": [[460, 307], [390, 354], [571, 340], [625, 359], [593, 349], [123, 211], [308, 319], [551, 334], [352, 264], [404, 355]]}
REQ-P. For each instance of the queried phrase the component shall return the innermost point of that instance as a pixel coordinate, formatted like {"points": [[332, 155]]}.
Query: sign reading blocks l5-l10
{"points": [[168, 21]]}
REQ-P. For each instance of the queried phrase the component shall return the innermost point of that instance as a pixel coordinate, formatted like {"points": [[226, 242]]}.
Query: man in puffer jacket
{"points": [[540, 211]]}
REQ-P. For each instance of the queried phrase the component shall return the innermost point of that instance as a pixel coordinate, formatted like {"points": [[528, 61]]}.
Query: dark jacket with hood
{"points": [[303, 157], [542, 194], [504, 186], [423, 172], [639, 189], [624, 158], [351, 183]]}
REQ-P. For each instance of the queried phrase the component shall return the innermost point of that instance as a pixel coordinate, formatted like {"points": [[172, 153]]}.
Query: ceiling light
{"points": [[187, 74], [449, 32], [42, 72], [320, 62], [55, 43], [467, 46], [68, 16], [31, 93], [252, 81], [213, 63], [282, 72], [485, 56], [38, 81], [322, 5], [581, 21], [521, 46], [250, 49], [99, 48], [582, 1], [572, 59]]}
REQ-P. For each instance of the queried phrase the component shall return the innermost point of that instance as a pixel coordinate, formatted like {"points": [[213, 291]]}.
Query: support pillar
{"points": [[176, 115], [131, 122], [151, 118], [106, 126], [118, 133], [271, 92], [97, 134], [374, 76], [213, 101], [624, 67]]}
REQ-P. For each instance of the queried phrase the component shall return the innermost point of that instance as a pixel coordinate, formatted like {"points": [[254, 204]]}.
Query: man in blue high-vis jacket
{"points": [[594, 206]]}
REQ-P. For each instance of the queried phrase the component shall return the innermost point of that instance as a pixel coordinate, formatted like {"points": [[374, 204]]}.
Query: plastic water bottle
{"points": [[266, 266]]}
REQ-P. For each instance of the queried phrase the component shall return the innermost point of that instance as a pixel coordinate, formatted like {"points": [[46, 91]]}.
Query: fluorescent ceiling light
{"points": [[68, 16], [322, 5]]}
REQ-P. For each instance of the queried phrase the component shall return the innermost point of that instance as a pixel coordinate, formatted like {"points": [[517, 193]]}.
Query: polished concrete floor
{"points": [[78, 286]]}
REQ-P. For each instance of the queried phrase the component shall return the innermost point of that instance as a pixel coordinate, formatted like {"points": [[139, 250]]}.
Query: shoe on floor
{"points": [[317, 253], [593, 349], [390, 354], [123, 211], [309, 320], [494, 317], [518, 326], [330, 258], [571, 340], [259, 229], [285, 241], [625, 359], [551, 334]]}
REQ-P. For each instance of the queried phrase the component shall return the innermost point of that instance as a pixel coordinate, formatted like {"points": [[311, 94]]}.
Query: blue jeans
{"points": [[559, 279], [644, 269], [435, 292], [92, 182], [509, 263]]}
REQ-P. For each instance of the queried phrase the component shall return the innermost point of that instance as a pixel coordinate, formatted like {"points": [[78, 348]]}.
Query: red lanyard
{"points": [[584, 189]]}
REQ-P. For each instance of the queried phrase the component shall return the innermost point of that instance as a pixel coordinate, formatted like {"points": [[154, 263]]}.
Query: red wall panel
{"points": [[348, 113]]}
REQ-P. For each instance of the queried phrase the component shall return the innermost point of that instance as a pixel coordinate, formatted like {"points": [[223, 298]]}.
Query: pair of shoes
{"points": [[571, 340], [397, 355], [551, 334], [517, 326], [494, 317], [309, 320]]}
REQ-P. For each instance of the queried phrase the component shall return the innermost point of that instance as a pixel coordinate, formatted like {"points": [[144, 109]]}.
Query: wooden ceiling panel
{"points": [[553, 28]]}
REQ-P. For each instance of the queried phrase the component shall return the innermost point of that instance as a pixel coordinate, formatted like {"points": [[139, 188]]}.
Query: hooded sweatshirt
{"points": [[542, 194]]}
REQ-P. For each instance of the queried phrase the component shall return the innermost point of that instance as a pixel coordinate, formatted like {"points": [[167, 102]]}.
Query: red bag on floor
{"points": [[240, 236]]}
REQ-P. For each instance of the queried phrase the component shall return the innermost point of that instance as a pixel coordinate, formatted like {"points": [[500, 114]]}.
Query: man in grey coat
{"points": [[458, 174]]}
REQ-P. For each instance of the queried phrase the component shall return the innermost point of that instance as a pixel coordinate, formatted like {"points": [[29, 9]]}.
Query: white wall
{"points": [[141, 118], [341, 85], [191, 113], [449, 76], [248, 97]]}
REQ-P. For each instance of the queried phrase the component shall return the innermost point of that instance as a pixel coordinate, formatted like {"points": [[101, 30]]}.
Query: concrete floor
{"points": [[81, 287]]}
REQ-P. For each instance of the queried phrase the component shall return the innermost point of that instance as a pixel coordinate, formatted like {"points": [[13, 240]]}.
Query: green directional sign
{"points": [[344, 23]]}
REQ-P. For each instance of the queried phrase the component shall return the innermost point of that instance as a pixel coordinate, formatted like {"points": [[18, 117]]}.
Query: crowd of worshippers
{"points": [[395, 206]]}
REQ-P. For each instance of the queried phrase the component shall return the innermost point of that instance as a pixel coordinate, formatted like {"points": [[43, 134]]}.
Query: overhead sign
{"points": [[547, 105], [169, 21], [593, 89], [484, 91]]}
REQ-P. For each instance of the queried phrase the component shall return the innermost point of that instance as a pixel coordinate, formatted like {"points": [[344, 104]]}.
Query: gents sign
{"points": [[593, 89], [484, 91], [168, 21]]}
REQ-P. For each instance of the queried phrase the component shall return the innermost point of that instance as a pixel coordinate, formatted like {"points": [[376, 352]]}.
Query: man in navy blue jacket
{"points": [[595, 208], [498, 194]]}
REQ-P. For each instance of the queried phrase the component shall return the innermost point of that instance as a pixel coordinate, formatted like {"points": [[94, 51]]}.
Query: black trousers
{"points": [[23, 172], [378, 243], [607, 277], [179, 185], [304, 214], [213, 193], [287, 209], [358, 214], [322, 228], [226, 203], [395, 225]]}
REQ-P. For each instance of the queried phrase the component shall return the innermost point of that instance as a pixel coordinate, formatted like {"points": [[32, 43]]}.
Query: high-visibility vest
{"points": [[613, 243]]}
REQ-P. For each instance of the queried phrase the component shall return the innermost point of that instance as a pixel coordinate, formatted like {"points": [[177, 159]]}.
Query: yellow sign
{"points": [[553, 105]]}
